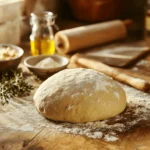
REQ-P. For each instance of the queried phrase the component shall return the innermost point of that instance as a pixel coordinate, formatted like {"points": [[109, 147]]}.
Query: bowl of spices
{"points": [[10, 56], [46, 65]]}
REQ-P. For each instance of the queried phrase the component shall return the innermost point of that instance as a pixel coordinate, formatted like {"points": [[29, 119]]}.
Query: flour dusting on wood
{"points": [[137, 114]]}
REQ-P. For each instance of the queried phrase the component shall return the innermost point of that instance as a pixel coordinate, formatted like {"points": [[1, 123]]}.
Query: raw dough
{"points": [[79, 95]]}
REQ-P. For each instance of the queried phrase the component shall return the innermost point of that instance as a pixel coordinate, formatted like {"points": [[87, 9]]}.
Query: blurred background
{"points": [[15, 15]]}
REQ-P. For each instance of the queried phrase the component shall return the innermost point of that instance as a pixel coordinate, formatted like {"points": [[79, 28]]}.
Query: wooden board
{"points": [[121, 54]]}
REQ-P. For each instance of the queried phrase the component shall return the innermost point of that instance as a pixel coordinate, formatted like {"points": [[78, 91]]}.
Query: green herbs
{"points": [[13, 84]]}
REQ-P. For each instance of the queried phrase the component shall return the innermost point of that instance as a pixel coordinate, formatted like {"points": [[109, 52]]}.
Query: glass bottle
{"points": [[42, 36]]}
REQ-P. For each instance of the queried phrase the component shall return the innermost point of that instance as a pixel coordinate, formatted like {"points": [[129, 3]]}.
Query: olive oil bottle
{"points": [[42, 46], [42, 37]]}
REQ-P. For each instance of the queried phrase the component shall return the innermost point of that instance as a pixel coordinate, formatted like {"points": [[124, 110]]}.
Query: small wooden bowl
{"points": [[11, 63], [44, 73]]}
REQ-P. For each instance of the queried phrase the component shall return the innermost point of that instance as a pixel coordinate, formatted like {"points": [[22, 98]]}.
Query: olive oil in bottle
{"points": [[42, 46], [41, 38]]}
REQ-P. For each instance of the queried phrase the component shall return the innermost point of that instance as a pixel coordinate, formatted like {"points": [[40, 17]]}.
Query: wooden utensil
{"points": [[115, 73], [74, 39], [119, 54]]}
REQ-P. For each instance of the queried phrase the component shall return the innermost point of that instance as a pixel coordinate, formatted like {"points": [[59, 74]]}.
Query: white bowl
{"points": [[44, 73]]}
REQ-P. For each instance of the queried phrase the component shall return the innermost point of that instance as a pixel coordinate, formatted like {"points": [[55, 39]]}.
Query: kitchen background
{"points": [[15, 14]]}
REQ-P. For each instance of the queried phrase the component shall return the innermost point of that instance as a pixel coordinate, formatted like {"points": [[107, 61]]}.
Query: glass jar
{"points": [[42, 36]]}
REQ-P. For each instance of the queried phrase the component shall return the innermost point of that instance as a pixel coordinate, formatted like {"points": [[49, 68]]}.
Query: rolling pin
{"points": [[115, 73], [71, 40]]}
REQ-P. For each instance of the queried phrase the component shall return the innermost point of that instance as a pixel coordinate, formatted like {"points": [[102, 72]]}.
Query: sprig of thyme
{"points": [[13, 84]]}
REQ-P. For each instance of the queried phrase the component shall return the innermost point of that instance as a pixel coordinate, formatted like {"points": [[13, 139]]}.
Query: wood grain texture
{"points": [[20, 128]]}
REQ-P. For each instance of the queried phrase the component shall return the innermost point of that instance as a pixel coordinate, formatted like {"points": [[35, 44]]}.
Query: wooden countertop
{"points": [[23, 128]]}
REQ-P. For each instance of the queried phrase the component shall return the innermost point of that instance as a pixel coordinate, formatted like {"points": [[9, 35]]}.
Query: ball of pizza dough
{"points": [[79, 95]]}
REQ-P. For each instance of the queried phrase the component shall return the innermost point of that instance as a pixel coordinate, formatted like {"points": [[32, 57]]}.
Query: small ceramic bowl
{"points": [[44, 73], [13, 62]]}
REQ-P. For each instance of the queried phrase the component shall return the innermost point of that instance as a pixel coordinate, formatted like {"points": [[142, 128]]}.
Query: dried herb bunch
{"points": [[13, 84]]}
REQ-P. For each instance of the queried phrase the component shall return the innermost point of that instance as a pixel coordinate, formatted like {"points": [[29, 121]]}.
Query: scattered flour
{"points": [[110, 138], [27, 127], [117, 95], [137, 112]]}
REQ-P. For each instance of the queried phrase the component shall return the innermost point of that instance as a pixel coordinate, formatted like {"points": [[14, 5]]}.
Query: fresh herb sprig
{"points": [[13, 84]]}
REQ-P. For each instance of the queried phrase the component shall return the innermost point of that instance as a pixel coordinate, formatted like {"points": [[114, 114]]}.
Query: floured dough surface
{"points": [[79, 95]]}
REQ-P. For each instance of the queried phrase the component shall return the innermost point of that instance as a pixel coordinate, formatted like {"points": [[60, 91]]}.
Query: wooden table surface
{"points": [[23, 128]]}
